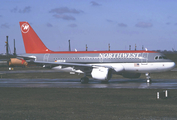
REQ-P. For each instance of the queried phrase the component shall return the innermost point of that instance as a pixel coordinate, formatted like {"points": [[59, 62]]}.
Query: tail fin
{"points": [[32, 42]]}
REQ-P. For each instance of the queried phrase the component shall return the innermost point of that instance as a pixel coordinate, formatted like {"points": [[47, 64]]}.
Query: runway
{"points": [[75, 83], [38, 71]]}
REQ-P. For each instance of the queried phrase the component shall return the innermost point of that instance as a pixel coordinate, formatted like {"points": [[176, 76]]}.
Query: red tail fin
{"points": [[32, 42]]}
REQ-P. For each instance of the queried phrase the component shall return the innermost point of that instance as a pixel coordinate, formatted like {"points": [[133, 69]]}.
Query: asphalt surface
{"points": [[75, 83], [37, 71]]}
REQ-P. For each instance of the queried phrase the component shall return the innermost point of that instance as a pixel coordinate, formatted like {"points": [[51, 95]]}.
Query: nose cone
{"points": [[174, 65], [167, 66], [171, 65]]}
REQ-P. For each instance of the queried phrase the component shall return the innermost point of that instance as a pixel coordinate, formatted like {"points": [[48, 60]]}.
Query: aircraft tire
{"points": [[149, 80]]}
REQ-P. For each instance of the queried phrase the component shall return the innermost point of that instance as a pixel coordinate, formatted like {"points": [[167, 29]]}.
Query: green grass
{"points": [[79, 104]]}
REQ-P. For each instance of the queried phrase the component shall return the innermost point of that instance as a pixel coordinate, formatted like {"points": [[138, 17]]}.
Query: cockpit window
{"points": [[157, 57], [160, 57], [164, 57]]}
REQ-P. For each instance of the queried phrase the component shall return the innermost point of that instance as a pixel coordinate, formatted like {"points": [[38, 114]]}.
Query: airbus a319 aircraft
{"points": [[100, 65]]}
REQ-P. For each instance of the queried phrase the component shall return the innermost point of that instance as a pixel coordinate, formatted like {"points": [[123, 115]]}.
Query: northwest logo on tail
{"points": [[32, 42], [25, 28]]}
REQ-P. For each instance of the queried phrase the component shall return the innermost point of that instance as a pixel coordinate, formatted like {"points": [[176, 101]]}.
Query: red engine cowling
{"points": [[101, 73]]}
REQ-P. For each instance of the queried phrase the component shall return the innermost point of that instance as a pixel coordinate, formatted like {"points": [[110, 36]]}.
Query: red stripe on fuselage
{"points": [[87, 52]]}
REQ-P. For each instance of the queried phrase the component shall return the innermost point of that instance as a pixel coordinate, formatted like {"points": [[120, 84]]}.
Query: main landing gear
{"points": [[148, 78], [84, 80]]}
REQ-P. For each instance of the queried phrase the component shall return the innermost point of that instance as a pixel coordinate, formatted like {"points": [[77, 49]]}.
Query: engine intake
{"points": [[101, 73]]}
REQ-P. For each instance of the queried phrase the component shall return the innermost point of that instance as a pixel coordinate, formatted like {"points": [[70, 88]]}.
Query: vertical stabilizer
{"points": [[32, 42]]}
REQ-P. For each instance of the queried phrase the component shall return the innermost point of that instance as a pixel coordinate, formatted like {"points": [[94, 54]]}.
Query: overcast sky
{"points": [[97, 23]]}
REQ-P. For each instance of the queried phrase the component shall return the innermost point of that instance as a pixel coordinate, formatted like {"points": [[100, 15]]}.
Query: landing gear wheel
{"points": [[148, 78], [84, 80]]}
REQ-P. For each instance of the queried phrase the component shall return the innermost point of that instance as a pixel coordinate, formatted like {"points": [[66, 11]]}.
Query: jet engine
{"points": [[101, 73], [131, 75], [17, 62]]}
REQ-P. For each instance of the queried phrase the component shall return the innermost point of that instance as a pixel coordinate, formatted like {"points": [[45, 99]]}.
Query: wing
{"points": [[53, 64], [77, 66]]}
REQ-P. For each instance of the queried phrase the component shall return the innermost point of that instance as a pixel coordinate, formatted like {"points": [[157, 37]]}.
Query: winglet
{"points": [[32, 42]]}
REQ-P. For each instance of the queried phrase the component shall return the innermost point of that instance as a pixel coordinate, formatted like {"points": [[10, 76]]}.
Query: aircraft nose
{"points": [[172, 65]]}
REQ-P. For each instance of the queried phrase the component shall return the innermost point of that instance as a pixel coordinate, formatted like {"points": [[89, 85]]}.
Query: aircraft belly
{"points": [[149, 67]]}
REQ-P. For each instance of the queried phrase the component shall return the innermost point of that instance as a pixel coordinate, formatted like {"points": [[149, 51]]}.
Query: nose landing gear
{"points": [[148, 78]]}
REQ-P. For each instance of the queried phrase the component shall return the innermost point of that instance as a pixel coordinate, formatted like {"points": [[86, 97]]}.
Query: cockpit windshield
{"points": [[160, 57]]}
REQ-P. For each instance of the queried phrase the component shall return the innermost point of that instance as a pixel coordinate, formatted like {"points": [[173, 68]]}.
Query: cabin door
{"points": [[144, 59], [46, 57]]}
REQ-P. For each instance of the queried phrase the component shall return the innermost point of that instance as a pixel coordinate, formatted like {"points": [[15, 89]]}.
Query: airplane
{"points": [[100, 65]]}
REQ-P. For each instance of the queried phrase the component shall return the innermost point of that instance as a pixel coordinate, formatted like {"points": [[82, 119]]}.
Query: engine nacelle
{"points": [[17, 62], [131, 75], [101, 73]]}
